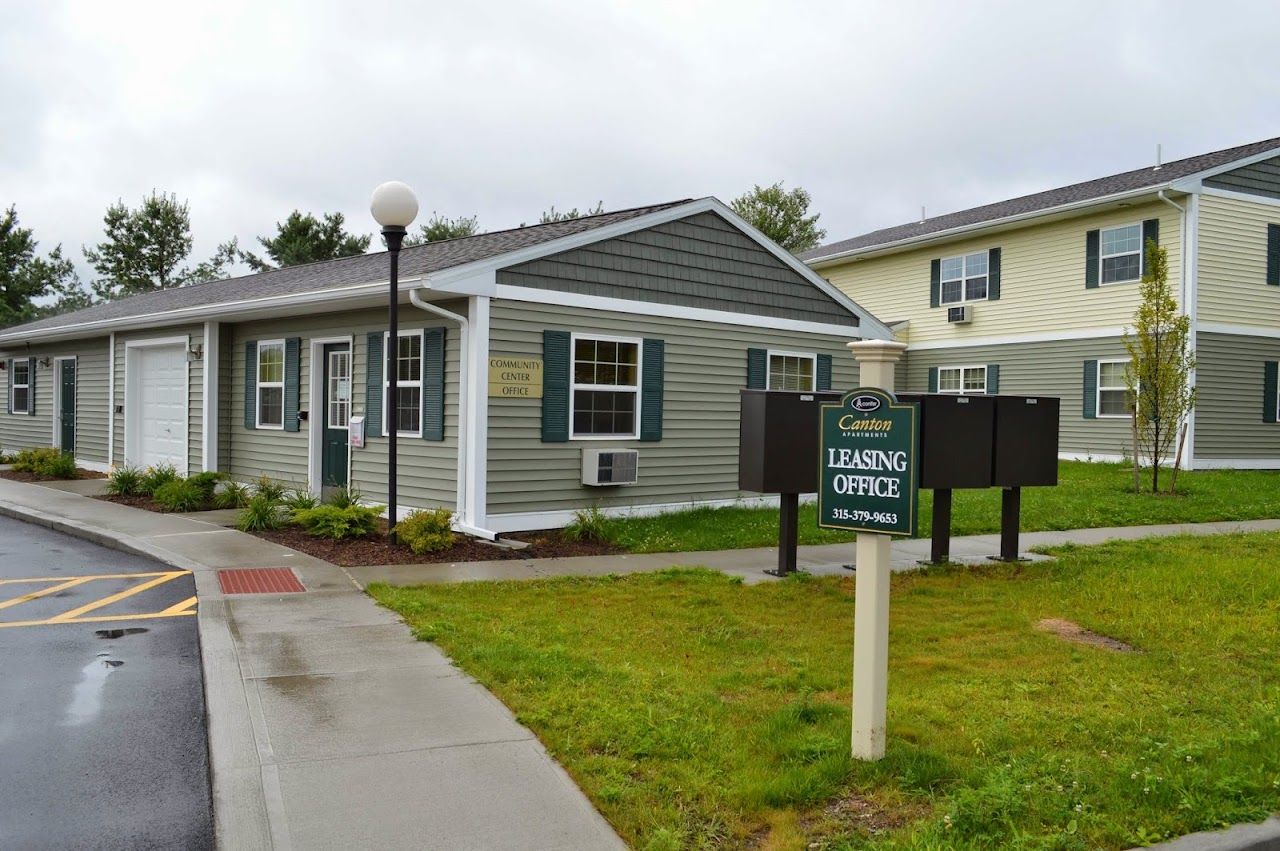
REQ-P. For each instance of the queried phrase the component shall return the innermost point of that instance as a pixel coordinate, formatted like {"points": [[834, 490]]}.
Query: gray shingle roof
{"points": [[1142, 178], [360, 269]]}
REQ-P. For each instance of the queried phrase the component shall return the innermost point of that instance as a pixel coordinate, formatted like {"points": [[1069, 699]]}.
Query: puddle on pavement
{"points": [[119, 633], [86, 698]]}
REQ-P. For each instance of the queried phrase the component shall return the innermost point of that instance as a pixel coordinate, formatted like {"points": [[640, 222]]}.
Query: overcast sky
{"points": [[500, 109]]}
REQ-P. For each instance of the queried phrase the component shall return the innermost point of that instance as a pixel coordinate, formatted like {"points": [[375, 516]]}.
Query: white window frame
{"points": [[14, 385], [420, 333], [1102, 257], [574, 386], [1098, 388], [259, 384], [812, 357], [326, 390], [963, 279], [962, 369]]}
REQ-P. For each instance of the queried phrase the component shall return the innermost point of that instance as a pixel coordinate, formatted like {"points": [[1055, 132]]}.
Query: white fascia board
{"points": [[1238, 330], [977, 227], [1241, 196], [674, 311], [1013, 339]]}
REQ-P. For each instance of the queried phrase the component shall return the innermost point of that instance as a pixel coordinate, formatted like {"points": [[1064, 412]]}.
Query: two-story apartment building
{"points": [[1033, 296]]}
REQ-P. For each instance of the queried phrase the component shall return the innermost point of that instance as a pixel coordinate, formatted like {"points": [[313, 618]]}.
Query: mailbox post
{"points": [[1025, 454]]}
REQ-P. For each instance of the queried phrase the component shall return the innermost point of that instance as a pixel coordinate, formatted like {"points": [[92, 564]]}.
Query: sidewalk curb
{"points": [[235, 827], [1241, 837]]}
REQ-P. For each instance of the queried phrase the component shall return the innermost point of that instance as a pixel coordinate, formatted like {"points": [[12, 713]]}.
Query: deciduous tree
{"points": [[781, 215], [144, 249]]}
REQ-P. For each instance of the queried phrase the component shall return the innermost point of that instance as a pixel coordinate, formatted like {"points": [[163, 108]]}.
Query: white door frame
{"points": [[316, 412], [57, 398], [131, 420]]}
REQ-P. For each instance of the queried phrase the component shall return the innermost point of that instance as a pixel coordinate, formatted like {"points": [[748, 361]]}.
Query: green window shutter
{"points": [[251, 384], [822, 380], [433, 384], [651, 387], [757, 369], [1269, 371], [1150, 232], [993, 379], [8, 391], [292, 373], [993, 275], [933, 379], [373, 386], [935, 283], [31, 394], [556, 363], [1273, 255], [1090, 389], [1092, 251]]}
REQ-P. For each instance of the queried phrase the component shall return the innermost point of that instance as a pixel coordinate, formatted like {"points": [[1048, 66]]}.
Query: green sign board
{"points": [[870, 447]]}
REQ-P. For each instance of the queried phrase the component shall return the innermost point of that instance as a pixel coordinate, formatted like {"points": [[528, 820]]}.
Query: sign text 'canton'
{"points": [[515, 378], [867, 469]]}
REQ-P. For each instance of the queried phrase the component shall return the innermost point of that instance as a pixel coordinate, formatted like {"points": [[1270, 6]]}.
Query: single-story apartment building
{"points": [[538, 368]]}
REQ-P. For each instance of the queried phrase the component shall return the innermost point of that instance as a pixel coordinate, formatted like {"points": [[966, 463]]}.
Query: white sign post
{"points": [[876, 360]]}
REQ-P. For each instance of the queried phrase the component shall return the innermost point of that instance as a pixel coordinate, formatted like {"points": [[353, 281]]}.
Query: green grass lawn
{"points": [[698, 712], [1088, 494]]}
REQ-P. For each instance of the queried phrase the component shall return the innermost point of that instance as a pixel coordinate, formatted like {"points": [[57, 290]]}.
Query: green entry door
{"points": [[337, 414], [67, 405]]}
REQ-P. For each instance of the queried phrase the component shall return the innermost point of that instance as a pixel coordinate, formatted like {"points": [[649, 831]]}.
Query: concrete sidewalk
{"points": [[329, 725], [824, 560]]}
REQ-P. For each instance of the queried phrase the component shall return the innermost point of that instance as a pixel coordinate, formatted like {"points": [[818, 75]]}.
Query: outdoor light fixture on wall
{"points": [[44, 362], [394, 206], [195, 352]]}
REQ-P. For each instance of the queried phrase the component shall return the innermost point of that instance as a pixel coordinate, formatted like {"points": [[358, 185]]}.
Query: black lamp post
{"points": [[394, 207]]}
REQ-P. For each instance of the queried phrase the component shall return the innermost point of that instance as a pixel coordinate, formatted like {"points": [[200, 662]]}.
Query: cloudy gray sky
{"points": [[499, 109]]}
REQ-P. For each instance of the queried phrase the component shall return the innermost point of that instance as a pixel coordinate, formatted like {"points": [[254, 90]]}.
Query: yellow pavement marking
{"points": [[181, 608], [44, 592], [99, 619], [93, 576], [115, 598]]}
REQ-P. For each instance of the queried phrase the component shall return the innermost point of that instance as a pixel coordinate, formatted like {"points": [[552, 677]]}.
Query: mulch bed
{"points": [[378, 550], [16, 476], [144, 502]]}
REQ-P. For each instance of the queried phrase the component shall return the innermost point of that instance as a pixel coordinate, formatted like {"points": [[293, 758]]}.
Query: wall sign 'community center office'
{"points": [[515, 377], [869, 447]]}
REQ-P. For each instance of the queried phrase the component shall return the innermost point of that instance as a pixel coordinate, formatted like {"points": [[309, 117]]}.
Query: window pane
{"points": [[21, 372], [952, 267], [975, 288], [271, 405], [1126, 267], [605, 362], [271, 363], [604, 412], [789, 372], [1121, 240], [1114, 403], [949, 380], [408, 406], [951, 291], [975, 380], [975, 264], [20, 396], [409, 366], [1112, 374]]}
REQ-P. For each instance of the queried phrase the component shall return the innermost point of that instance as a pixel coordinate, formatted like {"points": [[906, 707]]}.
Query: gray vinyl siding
{"points": [[699, 261], [1041, 369], [195, 390], [427, 470], [697, 458], [1229, 397], [26, 431], [1260, 178]]}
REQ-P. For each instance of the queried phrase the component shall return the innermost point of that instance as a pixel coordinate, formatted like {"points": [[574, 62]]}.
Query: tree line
{"points": [[148, 248]]}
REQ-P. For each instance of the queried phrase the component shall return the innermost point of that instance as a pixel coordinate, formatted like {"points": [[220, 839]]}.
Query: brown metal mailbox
{"points": [[1026, 441], [955, 439], [778, 440]]}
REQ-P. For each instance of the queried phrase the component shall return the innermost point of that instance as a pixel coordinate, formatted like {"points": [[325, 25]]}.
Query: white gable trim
{"points": [[1265, 200], [1192, 181]]}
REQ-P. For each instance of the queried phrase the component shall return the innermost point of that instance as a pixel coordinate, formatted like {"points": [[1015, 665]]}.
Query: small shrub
{"points": [[154, 477], [269, 488], [299, 500], [344, 497], [589, 525], [231, 495], [260, 514], [338, 523], [124, 481], [34, 460], [207, 482], [426, 531], [180, 495], [62, 466]]}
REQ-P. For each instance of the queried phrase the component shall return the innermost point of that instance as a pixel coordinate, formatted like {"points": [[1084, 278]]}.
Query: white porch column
{"points": [[209, 422], [877, 361]]}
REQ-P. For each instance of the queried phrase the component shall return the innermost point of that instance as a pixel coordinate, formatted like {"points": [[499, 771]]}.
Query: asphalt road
{"points": [[102, 730]]}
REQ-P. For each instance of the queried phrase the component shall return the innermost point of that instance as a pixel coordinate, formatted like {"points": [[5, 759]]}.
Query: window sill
{"points": [[1119, 283], [1113, 416], [604, 437], [268, 427]]}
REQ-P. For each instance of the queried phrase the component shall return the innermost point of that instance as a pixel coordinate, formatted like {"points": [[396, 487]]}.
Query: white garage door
{"points": [[157, 400]]}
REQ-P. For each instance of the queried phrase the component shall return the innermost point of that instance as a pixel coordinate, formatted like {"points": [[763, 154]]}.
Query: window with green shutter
{"points": [[1273, 255], [292, 380], [251, 384], [652, 380], [604, 399], [373, 385], [433, 384], [555, 386], [757, 369], [1090, 390], [1270, 402]]}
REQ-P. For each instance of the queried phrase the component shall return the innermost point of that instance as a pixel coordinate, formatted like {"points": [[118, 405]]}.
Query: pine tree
{"points": [[1160, 364], [781, 215], [302, 238], [438, 228], [26, 277]]}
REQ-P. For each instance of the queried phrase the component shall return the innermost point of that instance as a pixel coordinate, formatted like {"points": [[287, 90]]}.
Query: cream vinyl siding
{"points": [[1042, 275], [1229, 376], [1232, 275], [195, 390], [25, 431], [697, 458], [427, 469], [1042, 369]]}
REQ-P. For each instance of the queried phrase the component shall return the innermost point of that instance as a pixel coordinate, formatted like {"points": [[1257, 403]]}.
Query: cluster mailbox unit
{"points": [[979, 441]]}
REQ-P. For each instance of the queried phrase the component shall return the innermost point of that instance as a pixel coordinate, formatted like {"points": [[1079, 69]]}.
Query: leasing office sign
{"points": [[867, 470]]}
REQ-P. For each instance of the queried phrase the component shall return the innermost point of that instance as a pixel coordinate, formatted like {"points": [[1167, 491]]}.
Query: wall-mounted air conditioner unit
{"points": [[961, 315], [610, 466]]}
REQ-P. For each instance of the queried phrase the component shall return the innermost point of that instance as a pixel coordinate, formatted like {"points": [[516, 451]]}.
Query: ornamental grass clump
{"points": [[269, 488], [154, 477], [180, 495], [426, 530], [207, 483], [590, 525], [299, 500], [260, 515], [231, 495], [338, 523], [124, 481]]}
